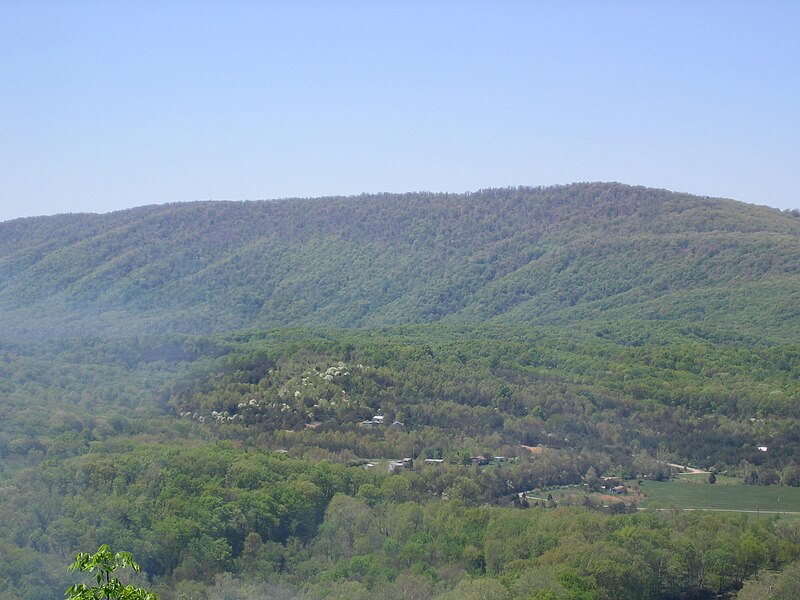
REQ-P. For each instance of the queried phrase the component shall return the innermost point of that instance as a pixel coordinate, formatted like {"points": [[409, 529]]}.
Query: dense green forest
{"points": [[596, 253], [238, 464], [228, 391]]}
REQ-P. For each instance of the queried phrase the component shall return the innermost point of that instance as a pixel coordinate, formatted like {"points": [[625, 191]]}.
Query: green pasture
{"points": [[703, 478], [685, 493]]}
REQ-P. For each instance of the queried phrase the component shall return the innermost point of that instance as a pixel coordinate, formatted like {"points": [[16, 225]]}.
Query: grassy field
{"points": [[703, 478], [694, 493]]}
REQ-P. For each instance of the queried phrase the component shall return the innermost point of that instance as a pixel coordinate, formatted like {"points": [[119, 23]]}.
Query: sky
{"points": [[109, 105]]}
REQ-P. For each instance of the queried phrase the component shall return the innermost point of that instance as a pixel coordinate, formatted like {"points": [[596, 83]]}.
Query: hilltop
{"points": [[579, 253]]}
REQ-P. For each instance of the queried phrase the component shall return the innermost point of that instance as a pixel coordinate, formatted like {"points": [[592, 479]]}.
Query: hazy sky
{"points": [[108, 105]]}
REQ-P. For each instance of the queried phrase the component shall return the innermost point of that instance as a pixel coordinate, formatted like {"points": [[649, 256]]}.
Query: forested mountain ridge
{"points": [[584, 252], [423, 396]]}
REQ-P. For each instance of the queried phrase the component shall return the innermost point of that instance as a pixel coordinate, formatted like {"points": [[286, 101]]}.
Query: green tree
{"points": [[103, 563]]}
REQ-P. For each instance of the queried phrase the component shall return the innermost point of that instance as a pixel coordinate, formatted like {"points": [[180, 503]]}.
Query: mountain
{"points": [[226, 389], [591, 253]]}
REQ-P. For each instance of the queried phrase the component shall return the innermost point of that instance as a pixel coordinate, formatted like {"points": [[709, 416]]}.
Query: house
{"points": [[762, 448], [399, 465], [378, 419], [367, 423], [397, 425], [619, 489], [609, 484], [434, 461], [313, 425], [479, 460]]}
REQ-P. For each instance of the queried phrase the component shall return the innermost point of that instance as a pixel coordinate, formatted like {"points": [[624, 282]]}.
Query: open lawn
{"points": [[686, 494]]}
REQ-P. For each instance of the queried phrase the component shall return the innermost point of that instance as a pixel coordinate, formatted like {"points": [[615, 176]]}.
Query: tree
{"points": [[712, 478], [464, 490], [591, 479], [103, 563], [791, 476]]}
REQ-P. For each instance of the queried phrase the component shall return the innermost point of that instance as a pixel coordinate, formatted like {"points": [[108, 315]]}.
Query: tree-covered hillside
{"points": [[419, 396], [596, 253], [250, 465]]}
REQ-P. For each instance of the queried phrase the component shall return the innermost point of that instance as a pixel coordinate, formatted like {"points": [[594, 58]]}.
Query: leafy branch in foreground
{"points": [[103, 563]]}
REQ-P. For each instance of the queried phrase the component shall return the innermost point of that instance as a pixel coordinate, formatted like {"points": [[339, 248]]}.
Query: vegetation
{"points": [[755, 499], [773, 586], [229, 391], [105, 563], [594, 253], [165, 452]]}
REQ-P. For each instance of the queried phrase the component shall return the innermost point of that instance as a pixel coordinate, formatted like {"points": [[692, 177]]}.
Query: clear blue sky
{"points": [[108, 105]]}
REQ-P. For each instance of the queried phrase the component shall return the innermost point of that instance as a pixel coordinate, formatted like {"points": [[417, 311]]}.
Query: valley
{"points": [[205, 385]]}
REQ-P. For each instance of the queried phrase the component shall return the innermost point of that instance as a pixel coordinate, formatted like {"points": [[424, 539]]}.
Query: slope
{"points": [[584, 253]]}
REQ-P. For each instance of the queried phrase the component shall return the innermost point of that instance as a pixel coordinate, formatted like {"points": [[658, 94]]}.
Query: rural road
{"points": [[686, 469]]}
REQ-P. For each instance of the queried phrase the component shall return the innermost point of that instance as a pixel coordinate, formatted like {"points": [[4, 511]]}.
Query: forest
{"points": [[593, 253], [242, 462], [381, 396]]}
